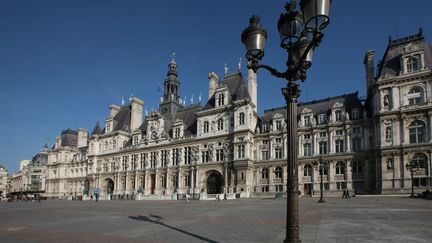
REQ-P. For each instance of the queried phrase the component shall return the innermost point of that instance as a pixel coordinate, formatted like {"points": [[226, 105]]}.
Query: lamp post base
{"points": [[292, 241], [322, 200]]}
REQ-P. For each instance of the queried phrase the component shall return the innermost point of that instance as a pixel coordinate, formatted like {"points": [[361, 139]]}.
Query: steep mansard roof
{"points": [[237, 89], [391, 61], [188, 116], [121, 121], [69, 138]]}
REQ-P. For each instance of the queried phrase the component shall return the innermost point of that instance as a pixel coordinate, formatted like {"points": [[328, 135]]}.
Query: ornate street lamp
{"points": [[322, 165], [300, 32], [412, 167]]}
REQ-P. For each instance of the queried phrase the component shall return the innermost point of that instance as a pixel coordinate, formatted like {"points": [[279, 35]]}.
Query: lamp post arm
{"points": [[255, 66]]}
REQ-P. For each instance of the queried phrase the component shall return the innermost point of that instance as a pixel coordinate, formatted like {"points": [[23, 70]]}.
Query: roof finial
{"points": [[184, 101], [420, 32], [122, 100], [145, 111], [199, 98], [173, 55], [192, 99], [226, 69], [130, 97], [239, 64]]}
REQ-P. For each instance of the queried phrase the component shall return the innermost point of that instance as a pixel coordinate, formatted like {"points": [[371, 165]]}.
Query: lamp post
{"points": [[300, 32], [322, 165], [412, 167]]}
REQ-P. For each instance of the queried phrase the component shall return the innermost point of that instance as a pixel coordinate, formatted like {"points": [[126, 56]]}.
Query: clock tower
{"points": [[170, 102]]}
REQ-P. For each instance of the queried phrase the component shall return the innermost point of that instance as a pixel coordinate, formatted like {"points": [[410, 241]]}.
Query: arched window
{"points": [[114, 144], [357, 167], [278, 172], [412, 64], [206, 127], [420, 161], [417, 132], [106, 146], [241, 118], [264, 173], [415, 95], [340, 168], [308, 170], [220, 124]]}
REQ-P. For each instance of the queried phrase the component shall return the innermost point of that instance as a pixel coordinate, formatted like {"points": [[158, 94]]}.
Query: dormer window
{"points": [[206, 127], [279, 125], [321, 119], [220, 124], [338, 115], [241, 118], [306, 121], [412, 64], [221, 99], [135, 141], [177, 132], [355, 113], [108, 127], [265, 127]]}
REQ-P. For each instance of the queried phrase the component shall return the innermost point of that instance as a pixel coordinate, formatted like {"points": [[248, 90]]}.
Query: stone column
{"points": [[395, 98], [430, 126], [349, 174], [348, 140], [315, 143], [331, 142], [147, 183]]}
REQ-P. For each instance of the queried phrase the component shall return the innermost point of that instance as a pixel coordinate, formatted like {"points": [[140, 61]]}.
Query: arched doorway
{"points": [[215, 183], [110, 186]]}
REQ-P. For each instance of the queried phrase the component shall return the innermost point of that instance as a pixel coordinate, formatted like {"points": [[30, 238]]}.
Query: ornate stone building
{"points": [[223, 146]]}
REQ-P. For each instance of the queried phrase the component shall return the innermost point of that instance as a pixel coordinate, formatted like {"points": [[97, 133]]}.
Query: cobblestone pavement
{"points": [[360, 219]]}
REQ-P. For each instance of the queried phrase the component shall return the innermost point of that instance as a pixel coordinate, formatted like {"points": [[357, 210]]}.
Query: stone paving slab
{"points": [[360, 219]]}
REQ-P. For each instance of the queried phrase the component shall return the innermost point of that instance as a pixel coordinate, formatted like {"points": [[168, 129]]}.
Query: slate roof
{"points": [[349, 102], [121, 121], [391, 63], [97, 130], [237, 89], [188, 116], [69, 138]]}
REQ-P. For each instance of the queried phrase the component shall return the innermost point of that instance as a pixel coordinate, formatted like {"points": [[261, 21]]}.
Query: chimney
{"points": [[213, 83], [82, 137], [370, 67], [113, 109], [136, 113]]}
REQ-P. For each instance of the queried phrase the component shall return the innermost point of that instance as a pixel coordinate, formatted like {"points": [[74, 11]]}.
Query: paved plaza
{"points": [[360, 219]]}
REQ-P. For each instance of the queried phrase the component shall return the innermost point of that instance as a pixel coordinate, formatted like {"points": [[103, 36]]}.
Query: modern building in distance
{"points": [[223, 146]]}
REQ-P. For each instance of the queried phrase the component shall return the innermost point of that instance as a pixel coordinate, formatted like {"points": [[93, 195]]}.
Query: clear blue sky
{"points": [[62, 63]]}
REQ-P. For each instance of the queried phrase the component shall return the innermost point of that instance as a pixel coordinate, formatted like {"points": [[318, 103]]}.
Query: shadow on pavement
{"points": [[155, 219]]}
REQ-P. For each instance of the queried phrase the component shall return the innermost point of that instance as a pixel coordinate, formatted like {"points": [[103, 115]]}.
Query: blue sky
{"points": [[62, 63]]}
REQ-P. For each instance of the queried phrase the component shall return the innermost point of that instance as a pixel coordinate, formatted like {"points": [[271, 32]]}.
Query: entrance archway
{"points": [[215, 183], [110, 186]]}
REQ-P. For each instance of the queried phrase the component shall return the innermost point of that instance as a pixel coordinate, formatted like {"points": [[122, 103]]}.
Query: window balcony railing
{"points": [[277, 180], [418, 105]]}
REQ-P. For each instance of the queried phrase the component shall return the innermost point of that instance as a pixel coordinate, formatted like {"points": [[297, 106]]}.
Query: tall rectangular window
{"points": [[219, 155], [205, 156], [323, 147], [265, 155], [279, 125], [187, 155], [339, 146], [241, 151], [307, 149], [278, 153]]}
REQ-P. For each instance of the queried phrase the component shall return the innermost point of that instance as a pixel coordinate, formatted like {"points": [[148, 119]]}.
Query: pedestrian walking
{"points": [[344, 194], [347, 194]]}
